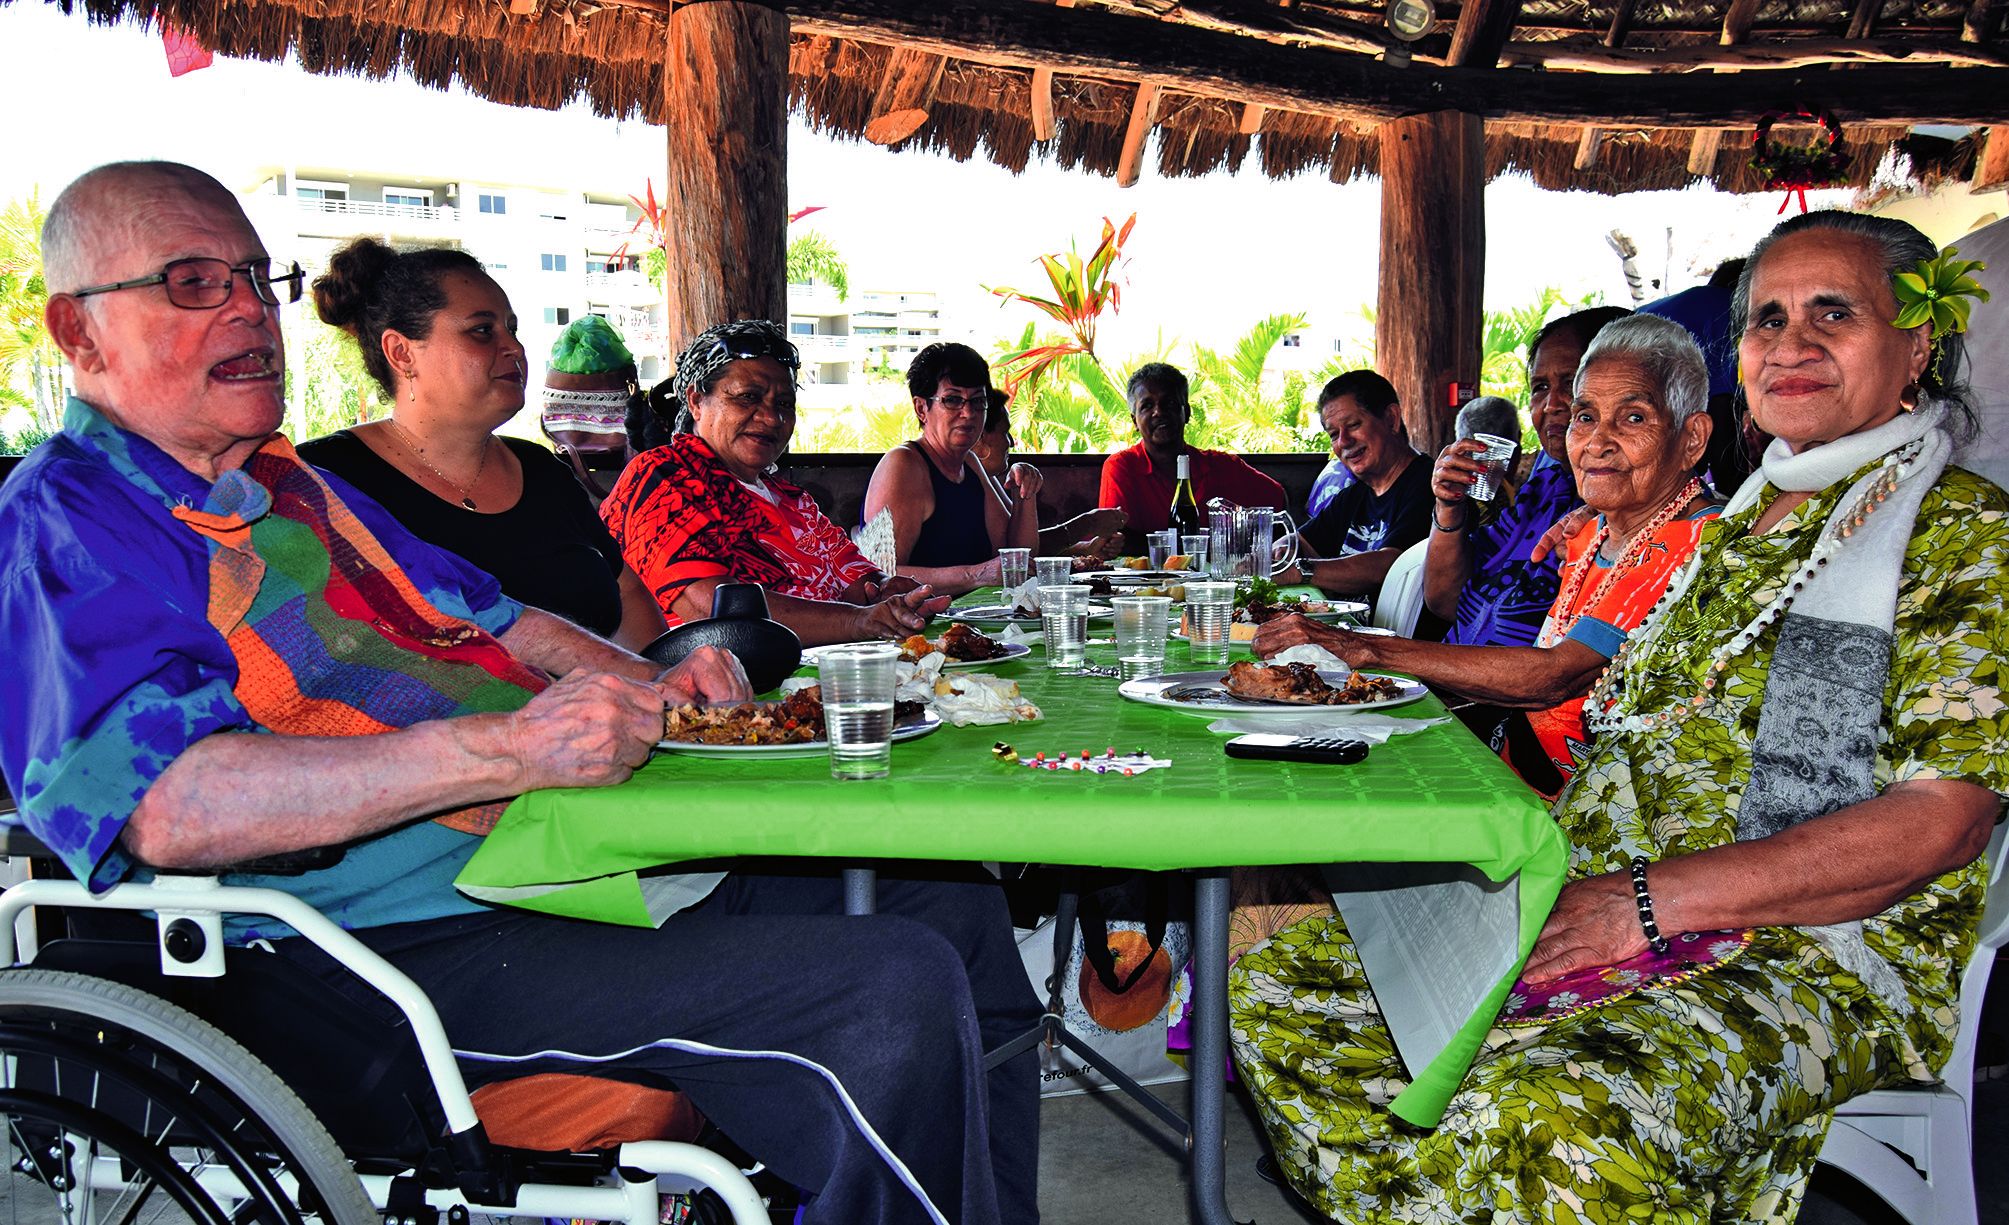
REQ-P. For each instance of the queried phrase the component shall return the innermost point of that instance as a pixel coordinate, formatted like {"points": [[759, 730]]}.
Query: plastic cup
{"points": [[1161, 545], [1063, 618], [1014, 567], [1498, 454], [857, 683], [1210, 611], [1195, 549], [1053, 571], [1141, 629]]}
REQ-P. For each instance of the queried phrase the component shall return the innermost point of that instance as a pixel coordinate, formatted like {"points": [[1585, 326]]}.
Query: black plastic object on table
{"points": [[768, 650]]}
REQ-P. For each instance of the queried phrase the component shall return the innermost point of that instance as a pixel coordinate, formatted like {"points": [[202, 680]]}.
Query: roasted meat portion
{"points": [[959, 643], [1301, 684]]}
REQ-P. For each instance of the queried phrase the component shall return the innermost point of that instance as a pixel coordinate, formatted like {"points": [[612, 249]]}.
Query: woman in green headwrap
{"points": [[438, 336]]}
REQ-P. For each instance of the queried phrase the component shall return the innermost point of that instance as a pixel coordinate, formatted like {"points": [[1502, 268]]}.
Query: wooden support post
{"points": [[1143, 113], [1589, 141], [726, 116], [1702, 152], [1427, 323], [905, 94], [1991, 169]]}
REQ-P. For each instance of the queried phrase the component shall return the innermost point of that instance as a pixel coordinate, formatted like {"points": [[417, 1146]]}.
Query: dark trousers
{"points": [[846, 1052]]}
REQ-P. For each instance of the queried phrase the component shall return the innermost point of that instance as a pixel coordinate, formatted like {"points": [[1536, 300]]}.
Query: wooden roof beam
{"points": [[1991, 169], [1143, 113], [1862, 19], [1042, 95], [1483, 29], [1352, 87], [1737, 21], [1770, 56], [1702, 151], [1621, 23], [905, 94], [1589, 142], [1252, 118]]}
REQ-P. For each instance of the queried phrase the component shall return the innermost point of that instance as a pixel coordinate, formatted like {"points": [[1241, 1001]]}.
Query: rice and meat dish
{"points": [[1301, 684]]}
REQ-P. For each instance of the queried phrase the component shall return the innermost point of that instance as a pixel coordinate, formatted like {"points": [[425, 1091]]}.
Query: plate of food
{"points": [[1242, 635], [1005, 614], [1248, 688], [961, 646], [791, 727]]}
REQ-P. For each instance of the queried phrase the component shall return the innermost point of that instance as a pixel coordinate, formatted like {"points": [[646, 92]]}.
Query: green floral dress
{"points": [[1706, 1100]]}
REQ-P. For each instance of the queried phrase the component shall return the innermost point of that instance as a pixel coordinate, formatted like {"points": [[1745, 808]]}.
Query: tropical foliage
{"points": [[327, 388], [32, 385], [812, 255], [1082, 290]]}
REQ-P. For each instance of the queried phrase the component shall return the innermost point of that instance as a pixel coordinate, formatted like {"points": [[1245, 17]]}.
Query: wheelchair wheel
{"points": [[122, 1109]]}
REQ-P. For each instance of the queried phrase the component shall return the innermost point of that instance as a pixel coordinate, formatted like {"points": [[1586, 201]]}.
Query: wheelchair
{"points": [[170, 1078]]}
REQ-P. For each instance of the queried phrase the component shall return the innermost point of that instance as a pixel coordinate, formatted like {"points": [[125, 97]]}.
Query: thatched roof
{"points": [[1249, 71]]}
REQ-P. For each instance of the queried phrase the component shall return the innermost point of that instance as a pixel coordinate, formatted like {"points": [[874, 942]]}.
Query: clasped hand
{"points": [[590, 729], [1283, 633]]}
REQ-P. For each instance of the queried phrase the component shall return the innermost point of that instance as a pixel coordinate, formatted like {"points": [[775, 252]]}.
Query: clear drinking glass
{"points": [[1210, 610], [1498, 454], [1141, 627], [1161, 545], [1195, 549], [1014, 567], [857, 683], [1063, 618], [1053, 571]]}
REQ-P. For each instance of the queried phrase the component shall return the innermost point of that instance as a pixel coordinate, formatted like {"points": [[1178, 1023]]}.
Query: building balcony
{"points": [[815, 300], [825, 348], [628, 288], [379, 211]]}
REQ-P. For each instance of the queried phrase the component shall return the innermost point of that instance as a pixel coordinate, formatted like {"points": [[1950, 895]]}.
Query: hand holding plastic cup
{"points": [[1063, 617], [1498, 454], [1014, 567], [1141, 627], [1210, 611], [857, 683]]}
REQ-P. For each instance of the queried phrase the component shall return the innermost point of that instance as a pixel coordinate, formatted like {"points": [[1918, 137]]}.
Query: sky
{"points": [[1208, 258]]}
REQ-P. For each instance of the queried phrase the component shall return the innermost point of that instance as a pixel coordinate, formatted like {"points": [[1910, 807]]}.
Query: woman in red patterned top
{"points": [[703, 509]]}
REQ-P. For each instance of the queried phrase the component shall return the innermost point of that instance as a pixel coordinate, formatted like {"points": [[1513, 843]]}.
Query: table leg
{"points": [[1210, 1045], [861, 890]]}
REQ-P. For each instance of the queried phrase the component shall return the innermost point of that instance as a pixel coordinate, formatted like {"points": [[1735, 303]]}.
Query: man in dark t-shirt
{"points": [[1348, 547]]}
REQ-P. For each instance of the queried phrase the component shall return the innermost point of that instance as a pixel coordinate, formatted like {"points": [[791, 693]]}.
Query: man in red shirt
{"points": [[1139, 479]]}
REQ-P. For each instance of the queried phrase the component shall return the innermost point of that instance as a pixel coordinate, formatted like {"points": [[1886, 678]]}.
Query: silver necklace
{"points": [[418, 453]]}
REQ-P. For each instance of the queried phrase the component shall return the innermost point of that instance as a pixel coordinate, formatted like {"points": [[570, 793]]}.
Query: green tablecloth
{"points": [[1437, 795]]}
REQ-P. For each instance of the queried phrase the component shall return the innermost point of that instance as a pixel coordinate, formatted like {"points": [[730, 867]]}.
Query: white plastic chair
{"points": [[1914, 1147], [1401, 600]]}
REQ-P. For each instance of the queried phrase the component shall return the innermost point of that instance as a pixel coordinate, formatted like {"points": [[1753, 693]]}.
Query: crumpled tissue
{"points": [[1310, 653]]}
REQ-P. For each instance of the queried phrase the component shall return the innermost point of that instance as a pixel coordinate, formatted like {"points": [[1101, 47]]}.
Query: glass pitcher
{"points": [[1243, 540]]}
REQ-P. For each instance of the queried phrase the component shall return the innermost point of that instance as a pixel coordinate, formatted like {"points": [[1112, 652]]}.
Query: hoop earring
{"points": [[1908, 398]]}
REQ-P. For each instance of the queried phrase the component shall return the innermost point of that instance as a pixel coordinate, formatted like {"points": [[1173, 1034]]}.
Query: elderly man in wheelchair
{"points": [[261, 723]]}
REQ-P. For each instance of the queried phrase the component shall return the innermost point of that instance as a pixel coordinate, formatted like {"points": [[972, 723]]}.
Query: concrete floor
{"points": [[1103, 1161]]}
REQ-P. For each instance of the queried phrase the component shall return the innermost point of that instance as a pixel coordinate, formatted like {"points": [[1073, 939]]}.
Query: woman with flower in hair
{"points": [[1796, 762], [704, 508]]}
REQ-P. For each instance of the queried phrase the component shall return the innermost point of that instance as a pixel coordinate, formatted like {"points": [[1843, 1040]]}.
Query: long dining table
{"points": [[1433, 796]]}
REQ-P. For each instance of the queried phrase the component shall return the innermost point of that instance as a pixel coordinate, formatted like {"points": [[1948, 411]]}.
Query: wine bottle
{"points": [[1185, 515]]}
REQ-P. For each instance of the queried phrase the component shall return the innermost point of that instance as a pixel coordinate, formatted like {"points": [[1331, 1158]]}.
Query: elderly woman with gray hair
{"points": [[1774, 879], [1638, 425], [704, 507]]}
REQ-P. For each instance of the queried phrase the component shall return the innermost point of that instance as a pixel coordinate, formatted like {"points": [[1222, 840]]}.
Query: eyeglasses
{"points": [[204, 284], [751, 347], [957, 404]]}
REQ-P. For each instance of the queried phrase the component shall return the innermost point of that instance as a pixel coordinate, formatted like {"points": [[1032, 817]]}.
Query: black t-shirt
{"points": [[1359, 520], [549, 551]]}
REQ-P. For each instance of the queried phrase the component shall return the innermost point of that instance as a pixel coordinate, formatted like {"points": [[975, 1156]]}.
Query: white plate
{"points": [[1151, 691], [1013, 650], [1001, 614], [1145, 578], [1371, 630], [914, 728]]}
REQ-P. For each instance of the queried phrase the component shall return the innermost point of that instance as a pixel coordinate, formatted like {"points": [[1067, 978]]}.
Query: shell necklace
{"points": [[1598, 707], [417, 452], [1635, 548]]}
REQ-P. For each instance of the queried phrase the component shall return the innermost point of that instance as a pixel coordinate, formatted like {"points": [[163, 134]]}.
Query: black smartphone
{"points": [[1339, 750]]}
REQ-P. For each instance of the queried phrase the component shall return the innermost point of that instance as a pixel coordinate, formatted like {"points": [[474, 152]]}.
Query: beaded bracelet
{"points": [[1447, 530], [1654, 940]]}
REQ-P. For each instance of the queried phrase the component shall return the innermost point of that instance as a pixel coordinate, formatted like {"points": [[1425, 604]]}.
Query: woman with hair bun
{"points": [[438, 336]]}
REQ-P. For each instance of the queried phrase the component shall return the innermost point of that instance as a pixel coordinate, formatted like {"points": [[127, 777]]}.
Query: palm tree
{"points": [[31, 367], [810, 254], [1236, 408]]}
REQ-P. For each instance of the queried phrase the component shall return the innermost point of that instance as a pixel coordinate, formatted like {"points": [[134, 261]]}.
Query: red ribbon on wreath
{"points": [[1795, 168]]}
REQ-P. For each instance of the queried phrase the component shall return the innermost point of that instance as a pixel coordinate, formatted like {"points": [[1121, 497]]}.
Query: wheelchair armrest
{"points": [[290, 863]]}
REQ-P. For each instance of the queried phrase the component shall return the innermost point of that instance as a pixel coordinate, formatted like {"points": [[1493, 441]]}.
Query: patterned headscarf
{"points": [[715, 348]]}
